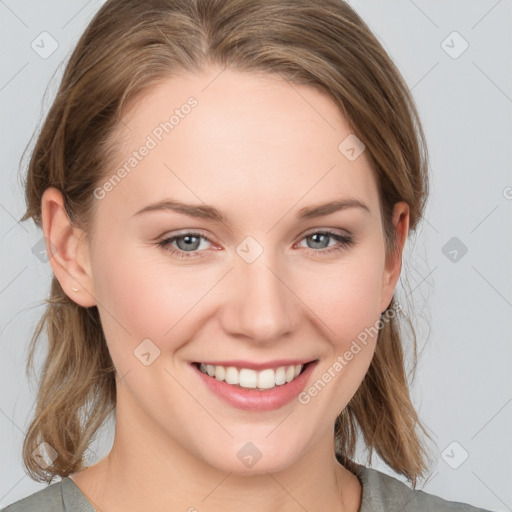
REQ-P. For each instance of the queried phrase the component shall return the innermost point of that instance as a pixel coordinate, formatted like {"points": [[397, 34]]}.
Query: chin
{"points": [[258, 457]]}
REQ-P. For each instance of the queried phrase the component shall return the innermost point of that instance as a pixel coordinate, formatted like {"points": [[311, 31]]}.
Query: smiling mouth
{"points": [[268, 378]]}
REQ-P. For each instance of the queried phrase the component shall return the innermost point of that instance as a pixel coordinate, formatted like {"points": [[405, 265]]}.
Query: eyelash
{"points": [[344, 241]]}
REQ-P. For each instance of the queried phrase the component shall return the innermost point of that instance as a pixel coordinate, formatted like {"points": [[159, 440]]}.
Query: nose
{"points": [[261, 304]]}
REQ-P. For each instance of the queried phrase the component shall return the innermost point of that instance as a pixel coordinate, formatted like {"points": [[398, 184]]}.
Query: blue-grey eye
{"points": [[320, 240], [190, 242]]}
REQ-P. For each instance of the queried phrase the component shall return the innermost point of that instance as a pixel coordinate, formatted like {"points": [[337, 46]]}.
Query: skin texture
{"points": [[259, 149]]}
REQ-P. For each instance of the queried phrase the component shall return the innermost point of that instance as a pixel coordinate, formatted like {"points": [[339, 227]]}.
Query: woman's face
{"points": [[254, 283]]}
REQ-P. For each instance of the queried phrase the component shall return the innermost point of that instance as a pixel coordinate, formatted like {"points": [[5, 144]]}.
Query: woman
{"points": [[226, 189]]}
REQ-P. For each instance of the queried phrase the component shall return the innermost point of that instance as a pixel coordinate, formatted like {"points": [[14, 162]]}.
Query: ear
{"points": [[67, 249], [393, 264]]}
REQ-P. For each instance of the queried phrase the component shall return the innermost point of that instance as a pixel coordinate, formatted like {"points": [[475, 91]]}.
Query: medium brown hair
{"points": [[128, 47]]}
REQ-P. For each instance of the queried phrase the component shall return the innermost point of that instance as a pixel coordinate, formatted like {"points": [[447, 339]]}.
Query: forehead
{"points": [[224, 131]]}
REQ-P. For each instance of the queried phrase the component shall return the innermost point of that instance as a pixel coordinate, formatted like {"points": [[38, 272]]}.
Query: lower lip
{"points": [[254, 400]]}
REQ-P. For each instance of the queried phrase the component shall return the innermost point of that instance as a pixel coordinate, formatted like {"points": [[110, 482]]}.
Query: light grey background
{"points": [[462, 308]]}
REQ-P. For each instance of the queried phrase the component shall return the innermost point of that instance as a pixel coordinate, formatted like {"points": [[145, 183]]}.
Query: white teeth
{"points": [[220, 372], [280, 376], [247, 378], [232, 375], [266, 379]]}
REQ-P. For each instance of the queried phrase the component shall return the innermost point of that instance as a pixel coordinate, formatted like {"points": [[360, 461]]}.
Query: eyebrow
{"points": [[209, 212]]}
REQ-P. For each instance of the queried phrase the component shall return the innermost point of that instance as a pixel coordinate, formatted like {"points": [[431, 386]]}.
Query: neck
{"points": [[161, 475]]}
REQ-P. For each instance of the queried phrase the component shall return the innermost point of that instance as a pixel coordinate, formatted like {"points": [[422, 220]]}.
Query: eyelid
{"points": [[183, 232], [338, 231]]}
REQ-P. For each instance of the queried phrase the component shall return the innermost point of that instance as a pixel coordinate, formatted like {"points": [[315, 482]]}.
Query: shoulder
{"points": [[48, 499], [63, 496], [382, 492]]}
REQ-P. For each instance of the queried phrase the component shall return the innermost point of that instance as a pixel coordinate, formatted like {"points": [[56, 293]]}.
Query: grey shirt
{"points": [[381, 493]]}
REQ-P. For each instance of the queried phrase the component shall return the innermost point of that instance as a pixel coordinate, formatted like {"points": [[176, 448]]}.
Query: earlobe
{"points": [[67, 249], [393, 265]]}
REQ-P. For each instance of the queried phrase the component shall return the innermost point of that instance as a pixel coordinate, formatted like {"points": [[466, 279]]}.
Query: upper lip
{"points": [[276, 363]]}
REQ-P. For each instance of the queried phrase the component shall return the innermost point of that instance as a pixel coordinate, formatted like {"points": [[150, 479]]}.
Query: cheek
{"points": [[143, 296], [349, 310], [128, 295], [346, 297]]}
